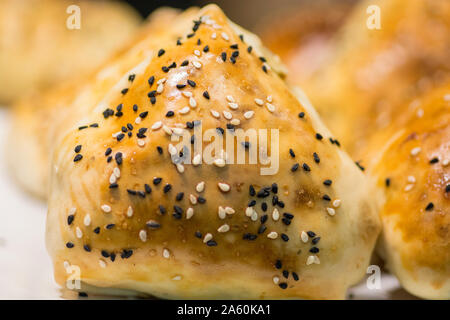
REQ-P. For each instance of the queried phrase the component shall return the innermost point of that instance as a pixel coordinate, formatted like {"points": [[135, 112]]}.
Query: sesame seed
{"points": [[193, 199], [200, 186], [166, 253], [221, 212], [189, 213], [331, 211], [207, 237], [197, 159], [259, 102], [248, 114], [106, 208], [272, 235], [143, 235], [336, 203], [275, 214], [304, 237], [233, 105], [276, 280], [223, 228], [219, 163], [415, 151], [270, 107], [197, 64]]}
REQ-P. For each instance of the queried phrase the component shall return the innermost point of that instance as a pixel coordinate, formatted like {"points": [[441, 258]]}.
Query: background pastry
{"points": [[373, 73], [410, 161], [38, 50], [130, 218]]}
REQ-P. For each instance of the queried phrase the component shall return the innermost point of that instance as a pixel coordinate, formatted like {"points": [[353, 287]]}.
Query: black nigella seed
{"points": [[167, 188], [162, 209], [112, 256], [185, 63], [181, 86], [283, 285], [206, 95], [278, 264], [447, 188], [289, 216], [252, 203], [326, 197], [301, 115], [191, 83], [262, 229], [429, 206], [198, 234], [143, 114], [264, 206], [284, 237], [87, 248], [286, 274], [224, 56], [153, 225], [211, 243], [314, 250], [311, 234], [147, 188], [170, 114], [319, 136], [135, 107], [105, 253], [295, 276], [274, 200], [264, 218], [206, 49], [294, 167], [70, 219], [77, 158], [291, 152], [114, 185], [108, 152], [315, 240], [77, 148], [132, 192], [201, 200], [252, 191], [124, 91], [286, 221], [151, 80], [69, 245], [274, 188], [131, 77], [249, 49], [249, 236], [159, 149], [434, 160], [387, 182], [157, 181], [327, 182], [306, 167], [179, 196], [110, 226], [120, 136], [316, 157], [97, 230]]}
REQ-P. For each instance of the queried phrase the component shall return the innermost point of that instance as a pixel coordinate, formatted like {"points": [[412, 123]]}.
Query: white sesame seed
{"points": [[447, 97], [254, 216], [215, 114], [207, 237], [184, 110], [214, 36], [160, 81], [224, 187], [87, 219], [141, 142], [411, 179], [189, 213], [200, 186], [102, 263], [138, 120], [160, 88], [112, 178], [259, 102], [167, 130], [331, 211], [192, 102], [172, 150], [187, 94], [106, 208], [409, 187], [310, 260], [337, 203], [235, 122], [275, 214], [221, 212], [197, 64], [197, 53], [219, 163], [166, 253], [143, 235], [233, 105], [276, 280], [249, 211], [270, 107], [79, 233], [248, 114], [415, 151], [157, 125], [197, 159], [227, 115], [225, 36], [304, 237], [176, 278], [224, 228], [445, 162], [193, 199], [66, 264], [180, 167], [229, 210], [177, 131], [72, 211], [272, 235], [230, 98], [129, 212], [269, 99]]}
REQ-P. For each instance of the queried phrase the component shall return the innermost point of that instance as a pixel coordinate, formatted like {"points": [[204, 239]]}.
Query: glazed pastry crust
{"points": [[415, 240], [171, 261], [37, 50]]}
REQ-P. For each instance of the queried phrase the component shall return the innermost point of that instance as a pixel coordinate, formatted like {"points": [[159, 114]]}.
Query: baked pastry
{"points": [[372, 73], [40, 118], [410, 161], [37, 49], [136, 211], [302, 34]]}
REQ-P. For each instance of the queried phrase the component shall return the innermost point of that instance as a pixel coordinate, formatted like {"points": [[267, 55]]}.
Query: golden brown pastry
{"points": [[302, 34], [410, 160], [373, 73], [126, 208], [37, 49]]}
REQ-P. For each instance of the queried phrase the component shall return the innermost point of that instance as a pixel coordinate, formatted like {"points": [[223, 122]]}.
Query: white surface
{"points": [[25, 267]]}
